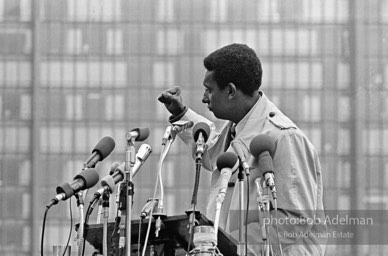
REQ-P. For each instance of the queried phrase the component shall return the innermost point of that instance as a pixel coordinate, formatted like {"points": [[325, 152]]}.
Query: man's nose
{"points": [[205, 98]]}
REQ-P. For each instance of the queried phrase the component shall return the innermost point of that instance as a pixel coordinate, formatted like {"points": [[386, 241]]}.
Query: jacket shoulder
{"points": [[281, 121]]}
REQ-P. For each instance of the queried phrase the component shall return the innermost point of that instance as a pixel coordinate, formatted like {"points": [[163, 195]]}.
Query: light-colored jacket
{"points": [[298, 180]]}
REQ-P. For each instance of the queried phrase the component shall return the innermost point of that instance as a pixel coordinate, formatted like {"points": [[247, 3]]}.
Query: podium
{"points": [[172, 240]]}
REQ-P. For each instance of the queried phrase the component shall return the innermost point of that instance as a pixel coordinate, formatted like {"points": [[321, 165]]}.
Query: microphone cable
{"points": [[247, 214], [87, 215], [164, 151], [71, 229], [44, 227]]}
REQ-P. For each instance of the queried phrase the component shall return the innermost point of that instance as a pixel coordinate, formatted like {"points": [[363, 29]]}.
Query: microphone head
{"points": [[203, 128], [262, 143], [89, 176], [144, 152], [104, 147], [227, 160], [113, 167], [143, 133]]}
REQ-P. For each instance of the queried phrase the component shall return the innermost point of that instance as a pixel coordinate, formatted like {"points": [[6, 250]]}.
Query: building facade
{"points": [[73, 71]]}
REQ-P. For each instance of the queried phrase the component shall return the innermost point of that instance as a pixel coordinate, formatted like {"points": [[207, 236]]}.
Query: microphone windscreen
{"points": [[113, 168], [143, 133], [89, 176], [104, 147], [203, 128], [262, 143], [226, 160]]}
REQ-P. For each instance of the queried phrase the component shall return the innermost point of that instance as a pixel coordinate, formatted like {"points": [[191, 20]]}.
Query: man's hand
{"points": [[172, 99]]}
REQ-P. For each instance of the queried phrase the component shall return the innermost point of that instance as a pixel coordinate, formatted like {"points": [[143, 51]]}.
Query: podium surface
{"points": [[172, 240]]}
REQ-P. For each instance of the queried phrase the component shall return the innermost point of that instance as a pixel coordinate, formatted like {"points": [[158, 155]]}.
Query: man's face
{"points": [[215, 98]]}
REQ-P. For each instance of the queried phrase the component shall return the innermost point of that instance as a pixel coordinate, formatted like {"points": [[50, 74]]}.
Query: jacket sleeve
{"points": [[296, 168]]}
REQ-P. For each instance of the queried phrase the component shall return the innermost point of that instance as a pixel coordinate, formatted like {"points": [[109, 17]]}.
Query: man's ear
{"points": [[231, 90]]}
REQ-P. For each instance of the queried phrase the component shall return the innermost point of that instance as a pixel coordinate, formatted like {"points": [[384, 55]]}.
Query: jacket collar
{"points": [[255, 118]]}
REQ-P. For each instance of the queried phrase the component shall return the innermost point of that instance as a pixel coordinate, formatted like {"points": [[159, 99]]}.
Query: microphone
{"points": [[103, 148], [138, 134], [177, 127], [201, 133], [109, 182], [166, 135], [84, 180], [236, 145], [227, 163], [180, 126], [262, 147], [142, 154], [113, 167]]}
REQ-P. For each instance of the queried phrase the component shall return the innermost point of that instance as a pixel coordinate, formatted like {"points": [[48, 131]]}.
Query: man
{"points": [[232, 82]]}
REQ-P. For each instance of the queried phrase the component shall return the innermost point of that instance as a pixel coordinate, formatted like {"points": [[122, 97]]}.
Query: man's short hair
{"points": [[237, 64]]}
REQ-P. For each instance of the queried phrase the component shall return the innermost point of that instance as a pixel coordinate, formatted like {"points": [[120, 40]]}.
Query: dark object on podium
{"points": [[173, 236]]}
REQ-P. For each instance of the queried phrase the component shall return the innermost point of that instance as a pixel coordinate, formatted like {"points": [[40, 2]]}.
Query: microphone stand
{"points": [[80, 204], [130, 159], [81, 229], [263, 201], [192, 211], [241, 244], [105, 206]]}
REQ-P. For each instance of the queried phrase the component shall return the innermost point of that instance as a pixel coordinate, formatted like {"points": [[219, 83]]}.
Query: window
{"points": [[325, 11], [83, 74], [74, 110], [56, 139], [218, 10], [165, 11], [74, 41], [16, 139], [15, 41], [95, 10], [343, 108], [169, 41], [314, 134], [114, 43], [24, 172], [11, 106], [15, 10], [294, 41], [311, 106], [163, 74], [268, 11], [15, 73], [94, 106], [114, 107], [10, 9], [25, 106], [214, 39], [343, 141], [343, 174]]}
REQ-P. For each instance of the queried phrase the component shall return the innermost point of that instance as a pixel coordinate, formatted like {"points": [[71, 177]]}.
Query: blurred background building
{"points": [[73, 71]]}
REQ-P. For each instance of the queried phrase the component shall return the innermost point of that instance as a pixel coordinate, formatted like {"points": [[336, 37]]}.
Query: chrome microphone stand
{"points": [[241, 243], [105, 206], [80, 204], [130, 159], [263, 204]]}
